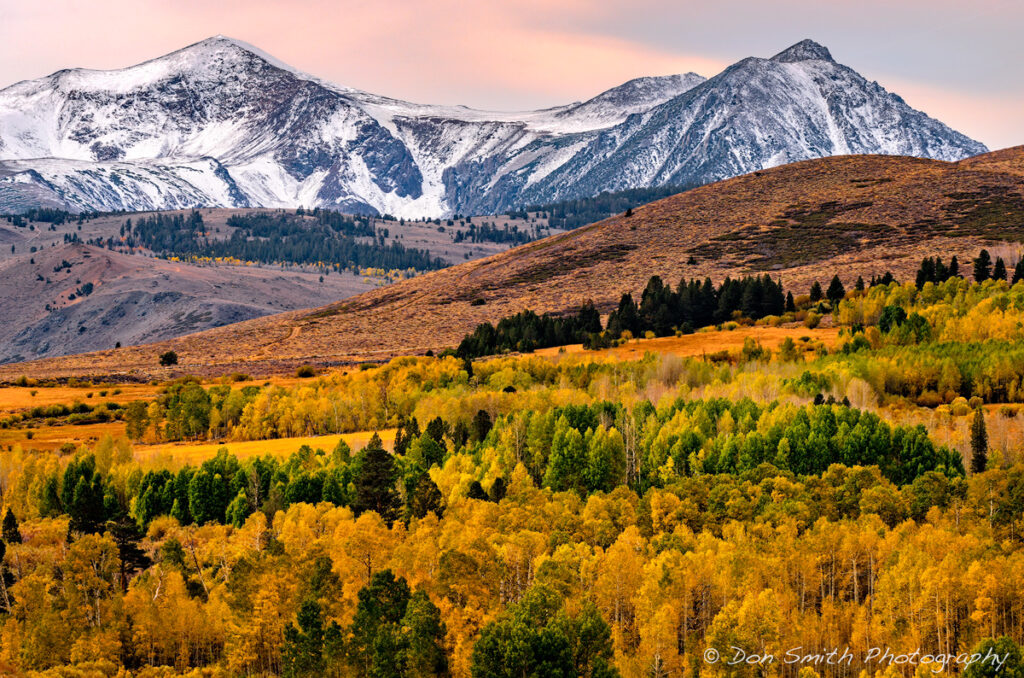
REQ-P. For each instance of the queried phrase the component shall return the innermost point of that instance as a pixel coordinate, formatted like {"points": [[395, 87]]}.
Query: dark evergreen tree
{"points": [[82, 493], [891, 318], [999, 270], [425, 498], [816, 292], [481, 425], [421, 651], [437, 429], [983, 266], [408, 430], [498, 490], [459, 435], [535, 637], [376, 644], [6, 581], [926, 273], [476, 491], [626, 318], [836, 291], [11, 533], [1018, 272], [127, 536], [374, 479], [302, 652], [979, 442]]}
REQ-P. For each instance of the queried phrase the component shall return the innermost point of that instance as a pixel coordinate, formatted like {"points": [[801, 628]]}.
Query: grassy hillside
{"points": [[855, 215]]}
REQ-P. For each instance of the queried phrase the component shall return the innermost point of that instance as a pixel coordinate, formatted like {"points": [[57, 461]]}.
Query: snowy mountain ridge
{"points": [[220, 123]]}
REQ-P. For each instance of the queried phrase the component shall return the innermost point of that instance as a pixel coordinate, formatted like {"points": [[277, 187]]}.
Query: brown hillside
{"points": [[855, 215]]}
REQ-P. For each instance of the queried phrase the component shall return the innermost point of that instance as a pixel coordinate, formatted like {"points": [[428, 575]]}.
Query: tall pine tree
{"points": [[374, 480], [979, 442], [983, 266]]}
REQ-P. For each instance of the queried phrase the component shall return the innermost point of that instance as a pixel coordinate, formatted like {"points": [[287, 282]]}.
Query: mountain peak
{"points": [[805, 50], [221, 42]]}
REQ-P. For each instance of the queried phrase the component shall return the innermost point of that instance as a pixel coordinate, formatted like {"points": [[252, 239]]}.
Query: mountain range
{"points": [[220, 123]]}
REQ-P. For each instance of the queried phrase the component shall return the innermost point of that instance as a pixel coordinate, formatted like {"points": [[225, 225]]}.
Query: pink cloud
{"points": [[527, 53]]}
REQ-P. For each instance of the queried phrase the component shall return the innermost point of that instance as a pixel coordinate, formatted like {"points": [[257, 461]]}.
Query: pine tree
{"points": [[481, 425], [376, 630], [477, 491], [790, 304], [926, 273], [374, 481], [983, 266], [302, 652], [498, 490], [437, 429], [816, 293], [11, 533], [422, 639], [1018, 272], [425, 498], [408, 430], [979, 442], [127, 535], [999, 270], [836, 291], [6, 581]]}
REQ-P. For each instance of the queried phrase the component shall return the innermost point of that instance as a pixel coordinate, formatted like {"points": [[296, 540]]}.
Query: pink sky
{"points": [[956, 61]]}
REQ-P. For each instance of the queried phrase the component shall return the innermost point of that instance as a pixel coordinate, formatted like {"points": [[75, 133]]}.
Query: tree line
{"points": [[662, 311], [570, 214], [317, 237]]}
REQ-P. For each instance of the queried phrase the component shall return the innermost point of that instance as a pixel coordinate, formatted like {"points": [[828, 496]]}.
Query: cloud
{"points": [[957, 61]]}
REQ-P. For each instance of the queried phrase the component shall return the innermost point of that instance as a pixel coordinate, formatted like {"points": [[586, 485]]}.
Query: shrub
{"points": [[305, 372], [959, 407], [169, 358]]}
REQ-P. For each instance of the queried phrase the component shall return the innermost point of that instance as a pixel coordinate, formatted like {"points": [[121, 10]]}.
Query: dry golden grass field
{"points": [[176, 455], [54, 437], [853, 215], [707, 343], [17, 398], [20, 398]]}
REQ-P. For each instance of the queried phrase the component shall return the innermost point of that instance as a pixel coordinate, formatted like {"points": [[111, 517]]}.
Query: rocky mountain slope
{"points": [[851, 215], [73, 298], [220, 123]]}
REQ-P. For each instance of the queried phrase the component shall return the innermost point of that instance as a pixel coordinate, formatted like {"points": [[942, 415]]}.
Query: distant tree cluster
{"points": [[570, 214], [662, 310], [528, 331], [934, 271], [489, 233], [316, 237]]}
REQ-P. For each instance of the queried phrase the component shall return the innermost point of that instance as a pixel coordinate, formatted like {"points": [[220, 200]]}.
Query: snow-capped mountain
{"points": [[221, 123]]}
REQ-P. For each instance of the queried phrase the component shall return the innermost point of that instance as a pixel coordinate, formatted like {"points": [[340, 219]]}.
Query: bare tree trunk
{"points": [[195, 559]]}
